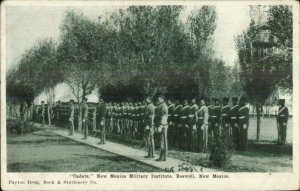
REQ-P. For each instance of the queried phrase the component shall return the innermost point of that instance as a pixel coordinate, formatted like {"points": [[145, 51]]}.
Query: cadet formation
{"points": [[184, 124]]}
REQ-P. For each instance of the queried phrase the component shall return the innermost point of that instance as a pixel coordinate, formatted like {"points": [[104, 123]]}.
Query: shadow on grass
{"points": [[104, 157], [27, 167], [266, 149], [44, 141]]}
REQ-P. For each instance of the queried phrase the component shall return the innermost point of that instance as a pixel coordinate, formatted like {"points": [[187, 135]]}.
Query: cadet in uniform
{"points": [[183, 123], [243, 123], [162, 113], [113, 116], [225, 119], [58, 108], [216, 118], [210, 113], [177, 123], [149, 120], [85, 109], [130, 117], [71, 118], [100, 117], [120, 118], [141, 120], [108, 117], [202, 126], [171, 110], [234, 114], [192, 130], [282, 119]]}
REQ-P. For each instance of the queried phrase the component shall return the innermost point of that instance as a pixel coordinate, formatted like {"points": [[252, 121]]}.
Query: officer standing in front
{"points": [[282, 119], [202, 126], [149, 120], [85, 109], [162, 112]]}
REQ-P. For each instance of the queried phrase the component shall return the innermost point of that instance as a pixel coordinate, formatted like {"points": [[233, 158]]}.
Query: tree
{"points": [[83, 52], [201, 27], [265, 62], [37, 72]]}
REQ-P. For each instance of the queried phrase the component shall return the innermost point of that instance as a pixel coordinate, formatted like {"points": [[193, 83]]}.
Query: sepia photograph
{"points": [[149, 91]]}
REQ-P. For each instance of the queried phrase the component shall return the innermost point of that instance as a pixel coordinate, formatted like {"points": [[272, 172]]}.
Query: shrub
{"points": [[220, 154], [18, 127]]}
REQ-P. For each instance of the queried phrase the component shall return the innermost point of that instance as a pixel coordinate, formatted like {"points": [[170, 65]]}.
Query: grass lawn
{"points": [[265, 156], [42, 151]]}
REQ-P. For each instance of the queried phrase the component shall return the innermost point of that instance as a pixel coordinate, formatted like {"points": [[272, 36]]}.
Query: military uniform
{"points": [[43, 114], [71, 118], [121, 119], [100, 118], [162, 116], [58, 110], [234, 114], [108, 117], [225, 119], [282, 119], [243, 126], [141, 111], [192, 130], [177, 125], [183, 130], [210, 113], [85, 109], [113, 116], [202, 128], [216, 120], [149, 121], [171, 110]]}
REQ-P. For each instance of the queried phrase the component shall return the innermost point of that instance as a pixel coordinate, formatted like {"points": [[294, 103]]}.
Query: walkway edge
{"points": [[139, 157]]}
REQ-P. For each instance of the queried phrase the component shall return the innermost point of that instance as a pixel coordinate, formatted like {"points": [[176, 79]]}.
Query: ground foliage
{"points": [[18, 127], [220, 151]]}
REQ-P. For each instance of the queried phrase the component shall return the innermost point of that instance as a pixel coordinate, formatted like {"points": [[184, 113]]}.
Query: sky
{"points": [[27, 25]]}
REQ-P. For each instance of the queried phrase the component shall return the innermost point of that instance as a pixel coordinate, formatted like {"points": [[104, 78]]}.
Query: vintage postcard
{"points": [[149, 95]]}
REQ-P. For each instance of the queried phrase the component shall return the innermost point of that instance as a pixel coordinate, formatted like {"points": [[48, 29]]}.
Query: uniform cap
{"points": [[71, 100], [281, 101], [235, 98], [215, 99], [160, 95], [243, 99], [225, 99]]}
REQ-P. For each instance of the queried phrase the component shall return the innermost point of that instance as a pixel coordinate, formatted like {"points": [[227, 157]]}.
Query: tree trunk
{"points": [[49, 114], [257, 121], [80, 120]]}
